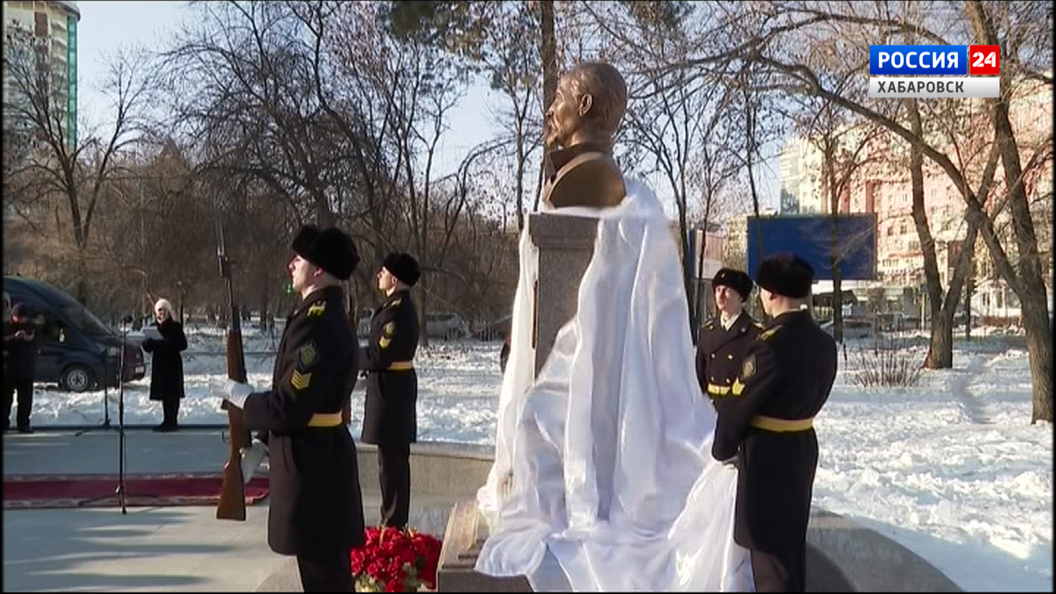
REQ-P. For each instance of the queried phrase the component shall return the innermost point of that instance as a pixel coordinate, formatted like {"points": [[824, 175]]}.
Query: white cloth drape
{"points": [[609, 447]]}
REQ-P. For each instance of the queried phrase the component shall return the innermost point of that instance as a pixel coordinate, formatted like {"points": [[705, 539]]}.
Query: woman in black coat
{"points": [[166, 370]]}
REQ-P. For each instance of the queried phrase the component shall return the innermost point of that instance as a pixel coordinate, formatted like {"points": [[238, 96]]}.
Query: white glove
{"points": [[235, 392], [252, 456]]}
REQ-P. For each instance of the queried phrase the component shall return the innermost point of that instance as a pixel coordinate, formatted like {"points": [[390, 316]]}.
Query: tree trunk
{"points": [[969, 287], [423, 329], [548, 56], [1027, 282], [837, 303], [520, 180], [82, 278], [834, 250], [548, 52], [940, 349], [1039, 351]]}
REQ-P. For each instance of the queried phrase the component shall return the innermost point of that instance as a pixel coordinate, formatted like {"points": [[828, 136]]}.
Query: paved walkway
{"points": [[149, 548]]}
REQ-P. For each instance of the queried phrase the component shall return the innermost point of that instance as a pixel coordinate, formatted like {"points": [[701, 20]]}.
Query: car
{"points": [[78, 352], [852, 329], [446, 325], [438, 325]]}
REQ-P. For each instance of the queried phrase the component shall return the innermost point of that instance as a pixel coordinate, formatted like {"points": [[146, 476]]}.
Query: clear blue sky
{"points": [[105, 26]]}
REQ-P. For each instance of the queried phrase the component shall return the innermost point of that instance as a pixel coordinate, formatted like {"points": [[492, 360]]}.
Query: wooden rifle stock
{"points": [[232, 505]]}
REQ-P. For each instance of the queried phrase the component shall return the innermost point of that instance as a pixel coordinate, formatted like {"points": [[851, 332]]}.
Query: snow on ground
{"points": [[950, 468]]}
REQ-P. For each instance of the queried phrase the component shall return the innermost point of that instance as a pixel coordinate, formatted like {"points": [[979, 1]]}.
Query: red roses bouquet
{"points": [[394, 560]]}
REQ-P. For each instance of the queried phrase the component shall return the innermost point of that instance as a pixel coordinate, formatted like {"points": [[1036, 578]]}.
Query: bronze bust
{"points": [[585, 114]]}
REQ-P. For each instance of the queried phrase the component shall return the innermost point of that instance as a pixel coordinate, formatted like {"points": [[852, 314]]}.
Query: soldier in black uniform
{"points": [[316, 510], [724, 339], [390, 416], [765, 426]]}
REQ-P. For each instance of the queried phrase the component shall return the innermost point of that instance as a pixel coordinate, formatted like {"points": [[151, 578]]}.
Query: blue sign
{"points": [[917, 60], [847, 239]]}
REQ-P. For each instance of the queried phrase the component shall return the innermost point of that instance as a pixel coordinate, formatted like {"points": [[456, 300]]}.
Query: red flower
{"points": [[396, 560]]}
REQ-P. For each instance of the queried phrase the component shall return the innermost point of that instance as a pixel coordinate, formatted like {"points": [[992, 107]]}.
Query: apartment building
{"points": [[45, 32], [882, 185]]}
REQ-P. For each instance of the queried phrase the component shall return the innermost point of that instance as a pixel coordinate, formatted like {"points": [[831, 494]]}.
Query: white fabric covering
{"points": [[610, 446]]}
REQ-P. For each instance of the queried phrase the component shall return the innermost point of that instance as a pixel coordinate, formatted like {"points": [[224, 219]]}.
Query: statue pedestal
{"points": [[463, 539], [566, 245]]}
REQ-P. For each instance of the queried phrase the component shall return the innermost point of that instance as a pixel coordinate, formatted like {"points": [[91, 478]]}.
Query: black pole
{"points": [[106, 387], [121, 423], [120, 492]]}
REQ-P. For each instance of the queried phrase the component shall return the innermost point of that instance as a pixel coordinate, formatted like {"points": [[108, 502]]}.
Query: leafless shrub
{"points": [[886, 363]]}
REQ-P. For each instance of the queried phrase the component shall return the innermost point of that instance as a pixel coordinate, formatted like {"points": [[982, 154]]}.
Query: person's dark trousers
{"points": [[781, 572], [25, 401], [9, 398], [394, 474], [172, 411], [326, 572]]}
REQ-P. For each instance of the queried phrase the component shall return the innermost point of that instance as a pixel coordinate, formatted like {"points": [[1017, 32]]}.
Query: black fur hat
{"points": [[786, 274], [330, 249], [403, 266], [734, 279]]}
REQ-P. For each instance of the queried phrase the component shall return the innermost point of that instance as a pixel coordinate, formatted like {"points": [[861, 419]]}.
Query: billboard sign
{"points": [[847, 239]]}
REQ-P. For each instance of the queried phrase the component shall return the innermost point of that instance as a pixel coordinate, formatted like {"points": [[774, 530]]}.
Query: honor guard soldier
{"points": [[765, 426], [389, 415], [724, 339], [316, 510]]}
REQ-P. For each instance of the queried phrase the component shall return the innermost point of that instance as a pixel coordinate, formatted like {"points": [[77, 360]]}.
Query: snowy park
{"points": [[950, 468]]}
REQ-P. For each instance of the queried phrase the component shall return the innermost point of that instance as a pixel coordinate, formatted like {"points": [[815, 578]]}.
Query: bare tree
{"points": [[776, 46], [843, 154], [57, 171], [512, 61]]}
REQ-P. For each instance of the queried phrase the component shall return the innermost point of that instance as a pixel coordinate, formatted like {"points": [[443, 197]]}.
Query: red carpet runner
{"points": [[141, 490]]}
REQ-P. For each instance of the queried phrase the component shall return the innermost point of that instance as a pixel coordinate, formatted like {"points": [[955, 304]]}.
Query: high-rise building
{"points": [[47, 32]]}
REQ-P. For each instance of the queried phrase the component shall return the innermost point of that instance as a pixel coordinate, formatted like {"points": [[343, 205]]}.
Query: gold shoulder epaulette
{"points": [[316, 309], [769, 333], [396, 302]]}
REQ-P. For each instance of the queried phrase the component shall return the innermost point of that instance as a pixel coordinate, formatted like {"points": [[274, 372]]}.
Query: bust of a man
{"points": [[585, 114]]}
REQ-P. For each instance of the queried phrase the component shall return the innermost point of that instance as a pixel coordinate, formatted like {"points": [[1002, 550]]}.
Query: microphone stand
{"points": [[120, 492]]}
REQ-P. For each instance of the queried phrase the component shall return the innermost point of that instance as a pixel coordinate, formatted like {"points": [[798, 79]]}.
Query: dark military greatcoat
{"points": [[316, 503], [766, 423], [720, 352], [389, 414]]}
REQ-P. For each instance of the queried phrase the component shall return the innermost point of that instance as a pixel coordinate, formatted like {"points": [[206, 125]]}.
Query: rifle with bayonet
{"points": [[232, 504]]}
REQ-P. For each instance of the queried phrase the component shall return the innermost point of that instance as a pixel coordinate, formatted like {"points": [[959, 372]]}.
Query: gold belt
{"points": [[718, 390], [400, 366], [325, 420], [781, 425]]}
